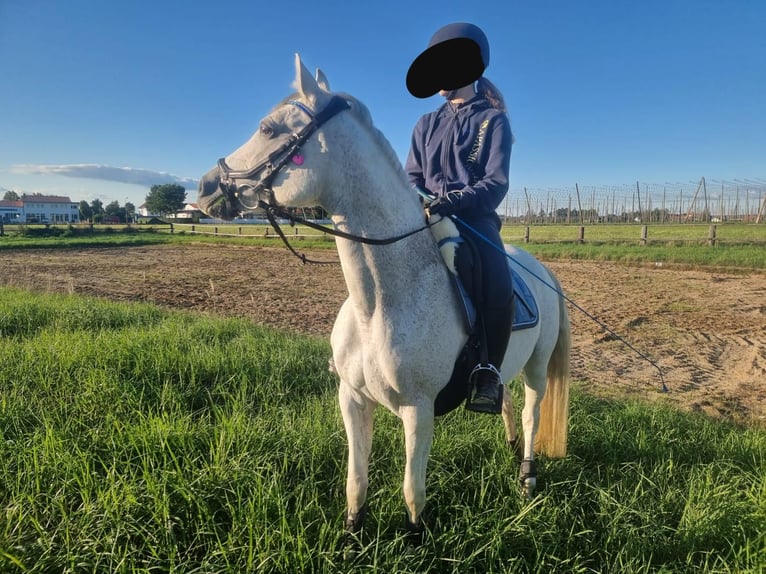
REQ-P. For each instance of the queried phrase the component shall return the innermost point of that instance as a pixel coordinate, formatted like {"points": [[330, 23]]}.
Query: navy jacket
{"points": [[466, 148]]}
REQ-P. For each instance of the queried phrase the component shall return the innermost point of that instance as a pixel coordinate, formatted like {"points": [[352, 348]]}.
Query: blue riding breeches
{"points": [[497, 290]]}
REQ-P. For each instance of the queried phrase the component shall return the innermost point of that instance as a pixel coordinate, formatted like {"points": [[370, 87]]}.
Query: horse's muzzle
{"points": [[214, 196]]}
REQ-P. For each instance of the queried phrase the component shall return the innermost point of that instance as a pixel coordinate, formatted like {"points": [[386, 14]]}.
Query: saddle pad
{"points": [[524, 305], [525, 313]]}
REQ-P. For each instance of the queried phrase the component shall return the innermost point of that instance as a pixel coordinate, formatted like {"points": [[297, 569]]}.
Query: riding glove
{"points": [[446, 205]]}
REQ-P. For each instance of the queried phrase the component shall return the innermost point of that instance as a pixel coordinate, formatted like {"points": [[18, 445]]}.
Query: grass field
{"points": [[136, 439], [737, 245]]}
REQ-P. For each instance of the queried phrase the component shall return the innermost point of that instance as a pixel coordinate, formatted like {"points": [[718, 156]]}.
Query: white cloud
{"points": [[129, 175]]}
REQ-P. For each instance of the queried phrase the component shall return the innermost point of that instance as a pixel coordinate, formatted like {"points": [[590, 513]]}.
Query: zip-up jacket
{"points": [[464, 148]]}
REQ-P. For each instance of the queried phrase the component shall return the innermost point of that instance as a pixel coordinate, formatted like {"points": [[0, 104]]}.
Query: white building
{"points": [[12, 211], [40, 209]]}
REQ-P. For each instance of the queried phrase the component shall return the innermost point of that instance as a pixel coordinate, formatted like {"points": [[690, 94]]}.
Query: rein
{"points": [[274, 211]]}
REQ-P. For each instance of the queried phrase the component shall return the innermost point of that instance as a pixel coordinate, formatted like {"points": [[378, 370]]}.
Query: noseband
{"points": [[278, 159]]}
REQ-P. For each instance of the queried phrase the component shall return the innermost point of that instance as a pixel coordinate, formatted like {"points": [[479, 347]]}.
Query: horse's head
{"points": [[282, 161]]}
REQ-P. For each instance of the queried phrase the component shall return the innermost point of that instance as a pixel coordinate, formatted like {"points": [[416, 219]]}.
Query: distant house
{"points": [[40, 209], [144, 212], [191, 211]]}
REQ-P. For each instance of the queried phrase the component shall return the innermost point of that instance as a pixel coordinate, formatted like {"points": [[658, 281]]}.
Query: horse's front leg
{"points": [[357, 411], [418, 424]]}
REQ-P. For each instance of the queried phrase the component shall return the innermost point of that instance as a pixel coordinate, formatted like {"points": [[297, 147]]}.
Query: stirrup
{"points": [[489, 405]]}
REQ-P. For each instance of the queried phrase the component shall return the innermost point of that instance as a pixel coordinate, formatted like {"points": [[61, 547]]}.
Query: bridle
{"points": [[278, 159], [271, 167]]}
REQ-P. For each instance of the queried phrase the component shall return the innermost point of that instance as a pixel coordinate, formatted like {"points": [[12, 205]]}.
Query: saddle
{"points": [[466, 276]]}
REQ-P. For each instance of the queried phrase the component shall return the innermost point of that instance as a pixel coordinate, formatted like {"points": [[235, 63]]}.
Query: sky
{"points": [[103, 99]]}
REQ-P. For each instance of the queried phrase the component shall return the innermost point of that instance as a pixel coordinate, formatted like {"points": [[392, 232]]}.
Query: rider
{"points": [[461, 153]]}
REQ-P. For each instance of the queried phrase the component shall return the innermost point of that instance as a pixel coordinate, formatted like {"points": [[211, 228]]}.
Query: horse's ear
{"points": [[305, 82], [322, 80]]}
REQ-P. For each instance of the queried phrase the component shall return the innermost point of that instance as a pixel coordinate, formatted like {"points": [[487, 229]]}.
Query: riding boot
{"points": [[486, 380]]}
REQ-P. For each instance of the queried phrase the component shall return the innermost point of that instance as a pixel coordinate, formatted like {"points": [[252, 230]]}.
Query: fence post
{"points": [[215, 230], [193, 228], [644, 235], [526, 234], [581, 235], [171, 228], [239, 230], [711, 236], [2, 230]]}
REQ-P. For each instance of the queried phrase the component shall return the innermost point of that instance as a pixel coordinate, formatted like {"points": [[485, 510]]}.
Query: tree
{"points": [[130, 211], [97, 209], [10, 195], [85, 211], [166, 198], [114, 210]]}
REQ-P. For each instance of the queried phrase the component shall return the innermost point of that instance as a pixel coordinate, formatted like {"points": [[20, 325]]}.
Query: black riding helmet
{"points": [[457, 55]]}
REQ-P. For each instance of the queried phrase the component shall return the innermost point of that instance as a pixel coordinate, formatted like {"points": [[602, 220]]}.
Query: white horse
{"points": [[397, 336]]}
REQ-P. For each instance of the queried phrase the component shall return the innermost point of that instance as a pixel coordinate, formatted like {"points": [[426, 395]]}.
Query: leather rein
{"points": [[275, 162], [274, 211]]}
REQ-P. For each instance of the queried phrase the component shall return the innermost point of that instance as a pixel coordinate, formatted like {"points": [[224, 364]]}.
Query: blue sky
{"points": [[606, 92]]}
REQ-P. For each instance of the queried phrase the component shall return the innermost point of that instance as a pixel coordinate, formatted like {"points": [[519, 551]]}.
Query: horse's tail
{"points": [[551, 438]]}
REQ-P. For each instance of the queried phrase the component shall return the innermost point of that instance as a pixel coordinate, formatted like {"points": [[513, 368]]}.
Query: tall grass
{"points": [[135, 439]]}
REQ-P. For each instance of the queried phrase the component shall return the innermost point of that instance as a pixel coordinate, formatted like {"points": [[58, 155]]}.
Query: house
{"points": [[143, 211], [40, 209], [190, 212]]}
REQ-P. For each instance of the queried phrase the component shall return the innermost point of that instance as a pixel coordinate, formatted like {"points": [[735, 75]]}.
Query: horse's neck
{"points": [[372, 198], [383, 278]]}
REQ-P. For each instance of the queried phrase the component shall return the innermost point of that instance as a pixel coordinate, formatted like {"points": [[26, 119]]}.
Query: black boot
{"points": [[485, 381], [487, 390]]}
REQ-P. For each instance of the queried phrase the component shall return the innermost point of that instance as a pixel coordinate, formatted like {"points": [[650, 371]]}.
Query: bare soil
{"points": [[705, 329]]}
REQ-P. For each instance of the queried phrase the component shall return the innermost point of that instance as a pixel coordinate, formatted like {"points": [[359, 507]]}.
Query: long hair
{"points": [[489, 90]]}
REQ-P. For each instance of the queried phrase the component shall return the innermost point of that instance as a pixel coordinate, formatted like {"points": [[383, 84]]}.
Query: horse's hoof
{"points": [[416, 532]]}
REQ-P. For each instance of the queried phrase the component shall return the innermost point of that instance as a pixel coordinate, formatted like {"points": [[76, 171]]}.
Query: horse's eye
{"points": [[266, 130]]}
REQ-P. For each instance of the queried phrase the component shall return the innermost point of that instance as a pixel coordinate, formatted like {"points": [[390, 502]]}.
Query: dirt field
{"points": [[707, 331]]}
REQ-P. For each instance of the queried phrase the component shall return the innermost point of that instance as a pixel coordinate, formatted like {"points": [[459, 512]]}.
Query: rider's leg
{"points": [[496, 314]]}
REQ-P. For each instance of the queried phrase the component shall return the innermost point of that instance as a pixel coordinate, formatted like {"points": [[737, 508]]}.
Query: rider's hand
{"points": [[445, 205]]}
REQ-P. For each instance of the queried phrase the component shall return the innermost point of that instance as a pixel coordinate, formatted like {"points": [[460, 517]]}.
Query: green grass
{"points": [[664, 234], [739, 245], [136, 439], [732, 257]]}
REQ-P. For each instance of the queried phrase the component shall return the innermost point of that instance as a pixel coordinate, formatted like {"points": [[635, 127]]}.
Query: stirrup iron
{"points": [[490, 371]]}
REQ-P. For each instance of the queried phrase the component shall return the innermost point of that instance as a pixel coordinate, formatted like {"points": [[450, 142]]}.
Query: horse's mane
{"points": [[363, 114], [360, 111]]}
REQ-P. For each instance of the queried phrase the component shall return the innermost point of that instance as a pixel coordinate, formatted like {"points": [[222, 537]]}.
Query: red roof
{"points": [[11, 203]]}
